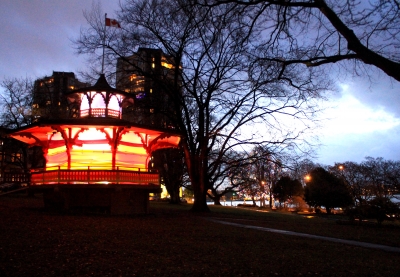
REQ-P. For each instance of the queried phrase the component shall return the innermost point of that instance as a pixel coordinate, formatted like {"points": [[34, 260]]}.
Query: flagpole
{"points": [[104, 43]]}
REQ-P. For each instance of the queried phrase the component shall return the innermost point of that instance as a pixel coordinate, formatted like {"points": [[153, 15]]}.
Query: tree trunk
{"points": [[196, 167], [174, 194], [217, 200], [200, 193], [200, 203], [270, 199], [328, 210]]}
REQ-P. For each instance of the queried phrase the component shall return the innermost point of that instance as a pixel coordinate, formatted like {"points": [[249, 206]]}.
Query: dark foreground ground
{"points": [[170, 241]]}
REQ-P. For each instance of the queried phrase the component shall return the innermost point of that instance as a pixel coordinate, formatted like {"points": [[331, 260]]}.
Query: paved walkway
{"points": [[290, 233]]}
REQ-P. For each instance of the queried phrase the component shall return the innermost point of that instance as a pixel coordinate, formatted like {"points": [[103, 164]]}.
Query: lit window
{"points": [[35, 106], [167, 65], [48, 102], [151, 90], [152, 110], [132, 77]]}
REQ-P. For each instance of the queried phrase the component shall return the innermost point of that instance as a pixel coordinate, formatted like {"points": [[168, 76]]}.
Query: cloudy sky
{"points": [[362, 118]]}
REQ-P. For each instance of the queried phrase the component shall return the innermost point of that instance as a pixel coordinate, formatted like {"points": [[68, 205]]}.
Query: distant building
{"points": [[13, 159], [49, 95], [149, 75]]}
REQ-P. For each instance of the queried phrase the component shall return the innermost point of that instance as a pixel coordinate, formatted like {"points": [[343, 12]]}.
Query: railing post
{"points": [[117, 176], [88, 175], [58, 175]]}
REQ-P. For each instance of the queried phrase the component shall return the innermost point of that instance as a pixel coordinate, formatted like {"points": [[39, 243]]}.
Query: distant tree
{"points": [[16, 102], [286, 189], [300, 169], [353, 175], [16, 112], [372, 178], [257, 172], [381, 176], [228, 176], [381, 208], [325, 189]]}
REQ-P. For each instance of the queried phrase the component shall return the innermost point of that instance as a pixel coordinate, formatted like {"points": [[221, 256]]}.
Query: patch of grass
{"points": [[387, 234], [171, 241]]}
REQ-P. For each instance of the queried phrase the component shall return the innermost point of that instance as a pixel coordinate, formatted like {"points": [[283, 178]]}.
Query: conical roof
{"points": [[101, 85]]}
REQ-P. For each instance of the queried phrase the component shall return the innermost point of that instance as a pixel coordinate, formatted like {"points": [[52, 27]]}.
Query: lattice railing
{"points": [[94, 176], [100, 112]]}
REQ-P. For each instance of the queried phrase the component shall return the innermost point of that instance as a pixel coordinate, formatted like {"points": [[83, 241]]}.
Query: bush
{"points": [[379, 208]]}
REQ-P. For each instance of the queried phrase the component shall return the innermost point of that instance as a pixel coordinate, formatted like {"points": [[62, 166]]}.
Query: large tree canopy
{"points": [[325, 189], [316, 32], [226, 99]]}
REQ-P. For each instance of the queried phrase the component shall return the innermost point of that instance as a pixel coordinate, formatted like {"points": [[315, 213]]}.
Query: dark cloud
{"points": [[380, 92]]}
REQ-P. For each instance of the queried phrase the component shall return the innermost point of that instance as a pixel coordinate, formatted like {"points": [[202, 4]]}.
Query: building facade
{"points": [[154, 79], [149, 74], [49, 95]]}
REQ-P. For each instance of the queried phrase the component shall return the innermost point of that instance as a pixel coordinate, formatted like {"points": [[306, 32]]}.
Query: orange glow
{"points": [[167, 65], [79, 148]]}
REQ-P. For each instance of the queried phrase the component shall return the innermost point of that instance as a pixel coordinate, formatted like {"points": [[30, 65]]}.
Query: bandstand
{"points": [[96, 157]]}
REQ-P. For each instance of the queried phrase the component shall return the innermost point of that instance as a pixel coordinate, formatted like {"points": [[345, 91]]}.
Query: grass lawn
{"points": [[171, 241]]}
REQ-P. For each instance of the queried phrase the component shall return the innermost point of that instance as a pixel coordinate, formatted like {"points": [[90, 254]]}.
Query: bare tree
{"points": [[372, 178], [353, 175], [16, 112], [373, 184], [221, 96], [317, 32], [16, 102]]}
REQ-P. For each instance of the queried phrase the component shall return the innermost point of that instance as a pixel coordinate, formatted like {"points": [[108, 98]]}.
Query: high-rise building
{"points": [[149, 74], [49, 95]]}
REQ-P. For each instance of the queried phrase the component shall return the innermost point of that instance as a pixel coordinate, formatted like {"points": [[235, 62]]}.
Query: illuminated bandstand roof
{"points": [[95, 141]]}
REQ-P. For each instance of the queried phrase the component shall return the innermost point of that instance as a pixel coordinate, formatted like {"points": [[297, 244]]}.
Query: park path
{"points": [[304, 235]]}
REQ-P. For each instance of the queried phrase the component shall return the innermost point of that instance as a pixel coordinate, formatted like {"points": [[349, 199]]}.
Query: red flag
{"points": [[112, 23]]}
